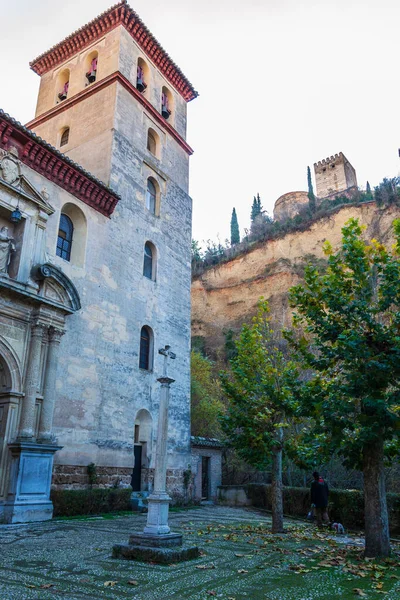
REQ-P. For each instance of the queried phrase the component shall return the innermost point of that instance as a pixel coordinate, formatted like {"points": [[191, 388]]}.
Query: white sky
{"points": [[283, 84]]}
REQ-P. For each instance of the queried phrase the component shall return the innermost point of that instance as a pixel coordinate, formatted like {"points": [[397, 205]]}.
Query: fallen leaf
{"points": [[110, 583], [359, 592], [45, 586], [28, 585], [242, 571], [204, 567], [133, 582], [211, 592]]}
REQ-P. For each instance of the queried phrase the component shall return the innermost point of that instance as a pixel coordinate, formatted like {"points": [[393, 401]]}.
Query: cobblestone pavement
{"points": [[71, 559]]}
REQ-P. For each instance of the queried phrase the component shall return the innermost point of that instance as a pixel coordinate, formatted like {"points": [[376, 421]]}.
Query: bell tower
{"points": [[111, 76], [113, 101]]}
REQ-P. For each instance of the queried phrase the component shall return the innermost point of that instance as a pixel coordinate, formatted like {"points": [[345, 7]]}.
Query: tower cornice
{"points": [[119, 14]]}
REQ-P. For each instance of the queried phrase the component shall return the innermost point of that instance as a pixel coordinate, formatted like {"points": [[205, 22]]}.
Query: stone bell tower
{"points": [[112, 100]]}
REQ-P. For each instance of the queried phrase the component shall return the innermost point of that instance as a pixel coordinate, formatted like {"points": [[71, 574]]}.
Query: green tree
{"points": [[311, 196], [387, 192], [351, 315], [235, 235], [368, 189], [260, 401], [256, 208], [205, 395]]}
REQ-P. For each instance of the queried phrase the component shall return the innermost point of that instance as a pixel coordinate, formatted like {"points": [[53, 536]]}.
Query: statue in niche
{"points": [[7, 247]]}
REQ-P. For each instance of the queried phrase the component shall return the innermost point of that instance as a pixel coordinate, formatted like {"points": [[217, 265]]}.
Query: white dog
{"points": [[338, 527]]}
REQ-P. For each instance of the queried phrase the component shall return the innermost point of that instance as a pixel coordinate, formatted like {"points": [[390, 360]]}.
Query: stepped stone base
{"points": [[165, 549]]}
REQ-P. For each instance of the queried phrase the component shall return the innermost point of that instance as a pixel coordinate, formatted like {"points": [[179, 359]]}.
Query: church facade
{"points": [[95, 234]]}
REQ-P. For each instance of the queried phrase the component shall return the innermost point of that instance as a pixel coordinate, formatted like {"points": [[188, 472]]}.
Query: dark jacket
{"points": [[319, 493]]}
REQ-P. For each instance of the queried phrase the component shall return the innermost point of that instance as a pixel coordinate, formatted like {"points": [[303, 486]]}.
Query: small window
{"points": [[165, 109], [62, 85], [141, 85], [145, 349], [64, 137], [151, 197], [149, 261], [63, 94], [142, 76], [151, 142], [64, 240], [92, 73]]}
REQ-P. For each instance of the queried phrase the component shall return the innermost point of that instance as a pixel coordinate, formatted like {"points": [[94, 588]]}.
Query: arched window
{"points": [[64, 137], [149, 261], [166, 103], [62, 85], [145, 353], [64, 240], [142, 75], [151, 142], [91, 62], [151, 196]]}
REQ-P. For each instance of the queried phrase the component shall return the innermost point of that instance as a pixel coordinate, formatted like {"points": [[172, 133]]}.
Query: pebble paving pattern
{"points": [[241, 560]]}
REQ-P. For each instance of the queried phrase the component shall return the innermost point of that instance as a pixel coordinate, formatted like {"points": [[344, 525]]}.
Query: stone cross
{"points": [[166, 352], [158, 502]]}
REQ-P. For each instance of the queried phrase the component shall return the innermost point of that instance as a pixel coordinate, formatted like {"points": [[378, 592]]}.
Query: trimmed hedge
{"points": [[345, 506], [69, 503]]}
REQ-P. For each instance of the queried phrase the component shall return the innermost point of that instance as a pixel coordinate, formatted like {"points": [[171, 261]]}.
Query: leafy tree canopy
{"points": [[351, 314], [259, 389], [205, 394]]}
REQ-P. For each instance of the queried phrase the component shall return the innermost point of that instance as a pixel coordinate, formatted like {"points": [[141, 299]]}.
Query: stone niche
{"points": [[15, 231], [289, 205]]}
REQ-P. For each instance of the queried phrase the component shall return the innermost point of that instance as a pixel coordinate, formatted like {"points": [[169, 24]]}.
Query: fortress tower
{"points": [[333, 176]]}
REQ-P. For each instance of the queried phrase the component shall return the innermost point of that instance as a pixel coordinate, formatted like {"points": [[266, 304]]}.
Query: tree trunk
{"points": [[276, 491], [377, 541]]}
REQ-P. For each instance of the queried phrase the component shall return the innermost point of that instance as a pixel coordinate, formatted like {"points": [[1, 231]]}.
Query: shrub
{"points": [[68, 503], [345, 506]]}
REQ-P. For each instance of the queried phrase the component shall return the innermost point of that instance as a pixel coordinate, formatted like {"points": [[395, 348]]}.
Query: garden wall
{"points": [[345, 506]]}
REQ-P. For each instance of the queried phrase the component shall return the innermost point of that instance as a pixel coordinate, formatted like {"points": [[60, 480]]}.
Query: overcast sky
{"points": [[282, 83]]}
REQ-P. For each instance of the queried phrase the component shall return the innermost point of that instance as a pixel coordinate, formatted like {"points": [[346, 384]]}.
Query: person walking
{"points": [[319, 499]]}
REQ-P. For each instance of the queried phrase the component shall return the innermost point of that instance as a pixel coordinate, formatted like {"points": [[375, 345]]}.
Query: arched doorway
{"points": [[10, 393], [142, 449]]}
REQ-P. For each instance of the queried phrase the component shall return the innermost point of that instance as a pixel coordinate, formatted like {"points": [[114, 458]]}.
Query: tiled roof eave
{"points": [[41, 156], [119, 14]]}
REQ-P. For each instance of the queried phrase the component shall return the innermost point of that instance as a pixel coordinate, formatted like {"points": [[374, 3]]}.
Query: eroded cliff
{"points": [[225, 296]]}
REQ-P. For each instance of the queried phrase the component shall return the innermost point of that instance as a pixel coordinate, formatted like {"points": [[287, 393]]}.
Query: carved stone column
{"points": [[49, 388], [27, 423]]}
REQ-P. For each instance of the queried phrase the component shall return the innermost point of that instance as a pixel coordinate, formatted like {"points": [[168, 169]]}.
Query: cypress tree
{"points": [[368, 188], [311, 197], [259, 206], [253, 209], [256, 207], [235, 235]]}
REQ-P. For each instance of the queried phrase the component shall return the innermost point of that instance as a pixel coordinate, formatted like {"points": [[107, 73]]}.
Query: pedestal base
{"points": [[156, 541], [28, 499], [157, 555], [164, 549]]}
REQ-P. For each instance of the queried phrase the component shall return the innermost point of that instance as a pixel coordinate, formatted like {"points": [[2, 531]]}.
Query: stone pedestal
{"points": [[29, 492], [164, 549], [156, 543]]}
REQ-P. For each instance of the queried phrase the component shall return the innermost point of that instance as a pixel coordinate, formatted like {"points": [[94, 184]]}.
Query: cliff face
{"points": [[226, 296]]}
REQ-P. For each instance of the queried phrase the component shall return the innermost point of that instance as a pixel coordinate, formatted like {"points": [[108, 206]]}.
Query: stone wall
{"points": [[75, 477], [226, 296]]}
